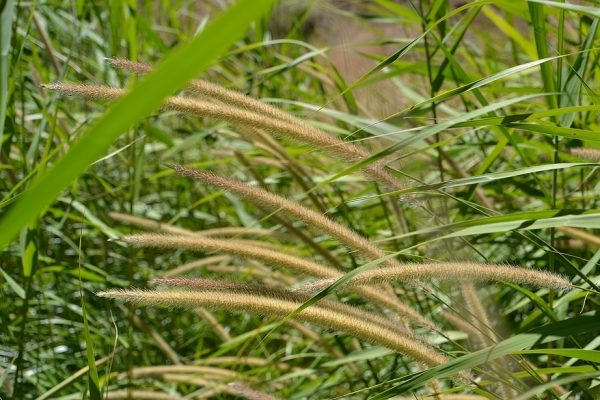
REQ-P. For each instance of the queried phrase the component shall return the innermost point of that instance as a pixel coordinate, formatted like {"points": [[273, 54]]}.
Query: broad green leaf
{"points": [[178, 68]]}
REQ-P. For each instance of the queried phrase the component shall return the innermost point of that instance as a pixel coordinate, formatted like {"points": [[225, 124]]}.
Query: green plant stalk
{"points": [[6, 17]]}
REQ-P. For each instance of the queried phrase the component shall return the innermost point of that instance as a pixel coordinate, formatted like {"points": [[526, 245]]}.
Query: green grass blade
{"points": [[585, 10], [325, 292], [397, 55], [542, 305], [545, 334], [13, 284], [475, 180], [570, 133], [181, 66], [484, 221], [538, 20], [587, 355], [574, 221], [572, 87]]}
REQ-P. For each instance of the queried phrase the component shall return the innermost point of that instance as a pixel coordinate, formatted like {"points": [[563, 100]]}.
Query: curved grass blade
{"points": [[325, 292], [515, 118], [13, 284], [549, 333], [542, 305], [181, 66], [572, 87], [574, 221], [474, 180], [582, 134], [587, 355], [484, 221]]}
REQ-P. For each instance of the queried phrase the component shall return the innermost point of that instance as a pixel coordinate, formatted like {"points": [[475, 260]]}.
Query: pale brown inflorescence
{"points": [[466, 271], [269, 306], [241, 288], [273, 203], [275, 258], [586, 154], [251, 117]]}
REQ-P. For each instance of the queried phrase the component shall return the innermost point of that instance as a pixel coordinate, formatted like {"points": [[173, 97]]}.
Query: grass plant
{"points": [[379, 200]]}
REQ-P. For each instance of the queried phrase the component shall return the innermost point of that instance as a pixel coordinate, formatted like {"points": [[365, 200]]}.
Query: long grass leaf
{"points": [[572, 88], [475, 180]]}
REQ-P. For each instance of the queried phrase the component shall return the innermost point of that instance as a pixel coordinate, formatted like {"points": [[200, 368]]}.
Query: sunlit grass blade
{"points": [[581, 354], [575, 221], [474, 180], [572, 87], [519, 218]]}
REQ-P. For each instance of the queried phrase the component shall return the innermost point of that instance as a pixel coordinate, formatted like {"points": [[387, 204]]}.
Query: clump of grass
{"points": [[255, 117]]}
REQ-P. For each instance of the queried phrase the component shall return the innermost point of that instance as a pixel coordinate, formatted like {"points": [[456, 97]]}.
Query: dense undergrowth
{"points": [[435, 164]]}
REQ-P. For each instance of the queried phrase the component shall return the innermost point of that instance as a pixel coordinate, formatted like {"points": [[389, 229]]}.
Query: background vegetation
{"points": [[477, 108]]}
